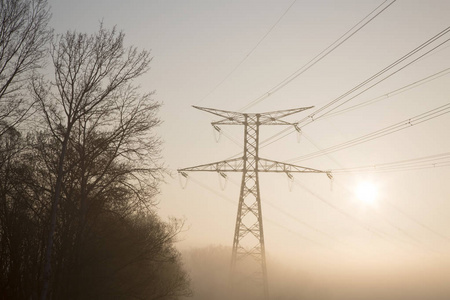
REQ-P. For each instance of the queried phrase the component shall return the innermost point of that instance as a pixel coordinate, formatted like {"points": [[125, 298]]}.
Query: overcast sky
{"points": [[196, 45]]}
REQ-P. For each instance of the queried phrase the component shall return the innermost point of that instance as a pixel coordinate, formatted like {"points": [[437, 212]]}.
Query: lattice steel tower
{"points": [[248, 259]]}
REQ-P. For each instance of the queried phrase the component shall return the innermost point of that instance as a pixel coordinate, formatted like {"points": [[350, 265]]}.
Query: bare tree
{"points": [[24, 34], [92, 101], [21, 213], [124, 252]]}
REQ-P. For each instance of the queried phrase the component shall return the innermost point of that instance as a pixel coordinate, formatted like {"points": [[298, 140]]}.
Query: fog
{"points": [[323, 279]]}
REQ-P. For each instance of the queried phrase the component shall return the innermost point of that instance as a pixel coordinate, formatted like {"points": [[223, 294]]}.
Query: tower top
{"points": [[239, 118]]}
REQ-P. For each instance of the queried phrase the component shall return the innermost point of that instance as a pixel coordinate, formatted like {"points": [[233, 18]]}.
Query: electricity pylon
{"points": [[248, 255]]}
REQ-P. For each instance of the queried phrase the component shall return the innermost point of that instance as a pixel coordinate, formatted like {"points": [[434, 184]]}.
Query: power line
{"points": [[378, 233], [404, 163], [441, 159], [352, 31], [429, 115], [371, 230], [227, 135], [433, 161], [311, 118], [427, 158], [415, 168], [314, 116], [390, 94], [421, 166], [317, 147], [409, 164], [337, 209], [303, 237], [404, 232], [295, 218], [421, 224], [248, 54], [312, 241], [368, 137], [398, 228]]}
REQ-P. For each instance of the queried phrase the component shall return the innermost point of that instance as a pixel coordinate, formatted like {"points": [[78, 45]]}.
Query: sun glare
{"points": [[366, 192]]}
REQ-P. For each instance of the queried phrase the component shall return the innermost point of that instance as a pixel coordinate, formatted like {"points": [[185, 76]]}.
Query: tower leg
{"points": [[248, 276]]}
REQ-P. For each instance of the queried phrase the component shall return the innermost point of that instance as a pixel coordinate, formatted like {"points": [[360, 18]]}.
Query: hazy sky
{"points": [[196, 44]]}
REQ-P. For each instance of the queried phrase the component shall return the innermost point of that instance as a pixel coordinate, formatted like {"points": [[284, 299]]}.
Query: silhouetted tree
{"points": [[124, 250], [92, 87], [21, 215], [23, 36], [77, 192]]}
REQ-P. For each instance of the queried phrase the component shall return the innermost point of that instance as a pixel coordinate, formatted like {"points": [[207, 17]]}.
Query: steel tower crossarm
{"points": [[238, 118], [237, 165], [229, 165], [267, 165]]}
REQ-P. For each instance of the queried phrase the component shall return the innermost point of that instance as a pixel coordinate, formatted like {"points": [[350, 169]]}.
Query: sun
{"points": [[366, 192]]}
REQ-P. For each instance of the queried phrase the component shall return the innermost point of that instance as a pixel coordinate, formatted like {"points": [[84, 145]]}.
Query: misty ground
{"points": [[209, 270]]}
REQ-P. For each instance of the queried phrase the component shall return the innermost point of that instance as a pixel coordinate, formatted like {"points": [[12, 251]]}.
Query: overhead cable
{"points": [[442, 159], [390, 94], [296, 218], [352, 31], [429, 115], [265, 218], [314, 116], [248, 54], [416, 221], [368, 228], [392, 224]]}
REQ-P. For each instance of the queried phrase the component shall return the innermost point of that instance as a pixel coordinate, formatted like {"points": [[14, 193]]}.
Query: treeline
{"points": [[79, 167]]}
